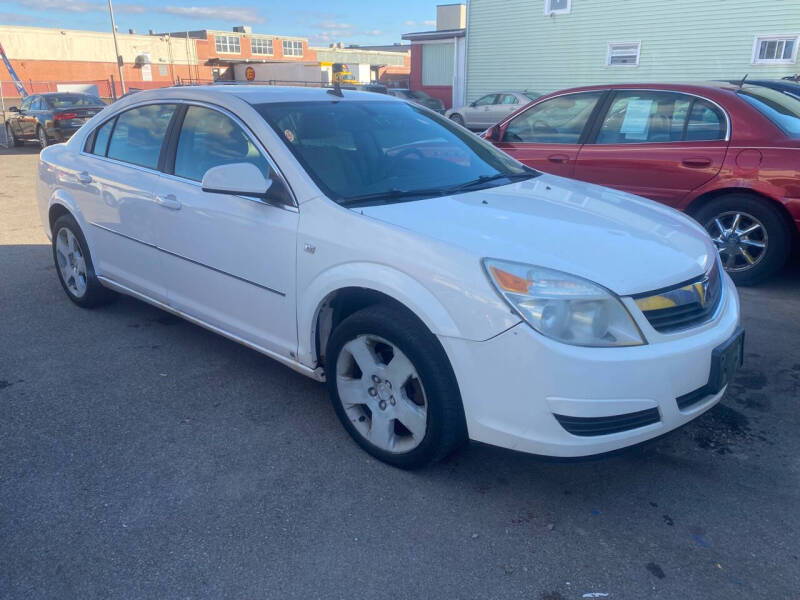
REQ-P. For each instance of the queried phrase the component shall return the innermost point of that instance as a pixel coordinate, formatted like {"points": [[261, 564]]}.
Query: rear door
{"points": [[115, 185], [548, 135], [229, 260], [656, 144]]}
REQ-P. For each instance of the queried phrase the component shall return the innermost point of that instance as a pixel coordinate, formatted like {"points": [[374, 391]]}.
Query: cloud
{"points": [[372, 32], [409, 23], [76, 6], [15, 19], [238, 14], [429, 23]]}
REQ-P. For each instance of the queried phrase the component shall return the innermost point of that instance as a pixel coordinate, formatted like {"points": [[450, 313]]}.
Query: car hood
{"points": [[625, 243]]}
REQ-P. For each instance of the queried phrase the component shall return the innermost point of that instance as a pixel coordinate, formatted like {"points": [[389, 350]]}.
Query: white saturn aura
{"points": [[443, 290]]}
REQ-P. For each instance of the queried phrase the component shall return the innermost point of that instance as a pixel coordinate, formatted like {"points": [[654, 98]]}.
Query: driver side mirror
{"points": [[13, 109], [236, 179], [473, 103], [495, 134]]}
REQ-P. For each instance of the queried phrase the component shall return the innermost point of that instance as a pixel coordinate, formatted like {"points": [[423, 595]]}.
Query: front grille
{"points": [[588, 426], [685, 305]]}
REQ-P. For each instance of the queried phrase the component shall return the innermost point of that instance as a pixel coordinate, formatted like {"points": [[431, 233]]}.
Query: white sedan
{"points": [[443, 290]]}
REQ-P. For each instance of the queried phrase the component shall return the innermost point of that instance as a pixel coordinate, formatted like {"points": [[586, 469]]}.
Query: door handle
{"points": [[559, 159], [697, 161], [169, 201], [84, 178]]}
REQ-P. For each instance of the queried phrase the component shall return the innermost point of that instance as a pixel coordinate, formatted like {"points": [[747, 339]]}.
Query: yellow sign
{"points": [[250, 74]]}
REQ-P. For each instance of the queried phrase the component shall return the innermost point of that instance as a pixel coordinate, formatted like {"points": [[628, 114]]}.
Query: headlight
{"points": [[564, 307]]}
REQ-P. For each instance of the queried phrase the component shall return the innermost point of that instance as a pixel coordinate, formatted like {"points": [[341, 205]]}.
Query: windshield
{"points": [[782, 109], [67, 100], [355, 150], [533, 95]]}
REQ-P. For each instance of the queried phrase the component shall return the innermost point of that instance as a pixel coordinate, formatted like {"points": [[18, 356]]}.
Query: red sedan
{"points": [[727, 155]]}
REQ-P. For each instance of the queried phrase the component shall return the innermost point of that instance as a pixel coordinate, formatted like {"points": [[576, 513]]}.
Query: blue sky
{"points": [[349, 21]]}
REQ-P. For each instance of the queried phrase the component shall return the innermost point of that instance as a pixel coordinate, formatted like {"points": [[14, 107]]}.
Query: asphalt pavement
{"points": [[143, 457]]}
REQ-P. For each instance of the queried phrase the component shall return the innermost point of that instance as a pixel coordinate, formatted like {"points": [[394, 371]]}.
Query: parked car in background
{"points": [[442, 289], [787, 86], [418, 97], [728, 156], [50, 118], [490, 109]]}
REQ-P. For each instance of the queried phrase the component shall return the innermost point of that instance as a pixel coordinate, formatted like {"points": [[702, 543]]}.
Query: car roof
{"points": [[256, 94]]}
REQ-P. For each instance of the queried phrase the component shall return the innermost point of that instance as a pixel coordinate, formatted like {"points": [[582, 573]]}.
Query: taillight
{"points": [[65, 116]]}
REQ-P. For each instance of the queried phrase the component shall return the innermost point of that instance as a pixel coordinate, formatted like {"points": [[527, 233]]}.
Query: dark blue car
{"points": [[50, 118]]}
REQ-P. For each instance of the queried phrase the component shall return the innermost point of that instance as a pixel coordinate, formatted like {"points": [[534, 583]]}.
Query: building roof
{"points": [[440, 34]]}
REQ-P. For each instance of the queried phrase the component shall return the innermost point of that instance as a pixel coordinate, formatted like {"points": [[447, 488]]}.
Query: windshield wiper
{"points": [[393, 194], [397, 194], [487, 178]]}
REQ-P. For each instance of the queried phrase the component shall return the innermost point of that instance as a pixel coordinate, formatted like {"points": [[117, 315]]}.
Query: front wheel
{"points": [[751, 235], [11, 139], [74, 265], [393, 389]]}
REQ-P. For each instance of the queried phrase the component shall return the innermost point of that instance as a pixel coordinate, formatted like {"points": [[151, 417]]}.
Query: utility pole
{"points": [[116, 47]]}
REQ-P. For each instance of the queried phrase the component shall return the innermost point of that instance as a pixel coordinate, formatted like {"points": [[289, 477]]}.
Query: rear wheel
{"points": [[751, 235], [11, 139], [74, 265], [393, 388], [457, 118], [41, 135]]}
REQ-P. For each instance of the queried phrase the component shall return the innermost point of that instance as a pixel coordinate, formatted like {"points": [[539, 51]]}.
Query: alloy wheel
{"points": [[71, 262], [382, 394], [741, 239]]}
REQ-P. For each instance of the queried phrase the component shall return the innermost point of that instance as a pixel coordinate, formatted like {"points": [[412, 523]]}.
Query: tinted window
{"points": [[637, 117], [508, 99], [354, 149], [782, 109], [139, 133], [66, 100], [101, 138], [705, 122], [38, 104], [559, 120], [486, 100], [26, 104], [209, 139]]}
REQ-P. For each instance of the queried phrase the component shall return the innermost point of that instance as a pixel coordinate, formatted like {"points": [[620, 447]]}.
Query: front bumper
{"points": [[515, 384]]}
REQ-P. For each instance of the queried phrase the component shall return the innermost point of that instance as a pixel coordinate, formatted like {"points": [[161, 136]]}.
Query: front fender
{"points": [[376, 277]]}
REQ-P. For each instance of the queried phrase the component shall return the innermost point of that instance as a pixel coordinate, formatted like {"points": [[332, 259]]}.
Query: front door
{"points": [[656, 144], [229, 260], [547, 136], [478, 115]]}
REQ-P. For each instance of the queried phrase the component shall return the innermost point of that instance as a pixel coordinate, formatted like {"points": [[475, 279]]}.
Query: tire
{"points": [[390, 335], [74, 265], [457, 118], [41, 135], [11, 139], [749, 258]]}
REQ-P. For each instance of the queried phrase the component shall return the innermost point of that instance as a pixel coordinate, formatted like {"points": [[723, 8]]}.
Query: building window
{"points": [[292, 48], [260, 46], [779, 49], [557, 7], [623, 54], [228, 44]]}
